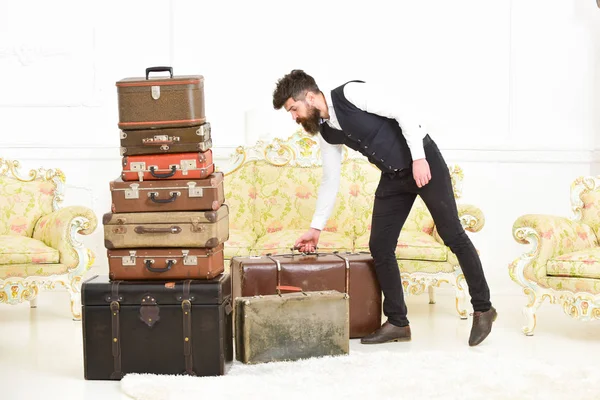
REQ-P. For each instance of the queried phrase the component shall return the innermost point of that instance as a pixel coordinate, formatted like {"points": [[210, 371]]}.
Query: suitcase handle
{"points": [[149, 267], [162, 201], [142, 230], [159, 69], [167, 175]]}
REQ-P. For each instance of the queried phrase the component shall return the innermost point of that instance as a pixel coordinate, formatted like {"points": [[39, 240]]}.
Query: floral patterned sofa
{"points": [[271, 189], [39, 246], [564, 263]]}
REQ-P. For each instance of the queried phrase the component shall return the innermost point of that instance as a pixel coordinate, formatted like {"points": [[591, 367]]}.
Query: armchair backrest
{"points": [[24, 200], [585, 201]]}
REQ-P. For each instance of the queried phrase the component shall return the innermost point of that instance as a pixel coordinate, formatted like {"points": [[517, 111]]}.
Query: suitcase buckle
{"points": [[138, 166], [186, 165], [204, 131], [189, 260], [197, 225], [134, 192], [194, 191], [156, 92], [129, 260]]}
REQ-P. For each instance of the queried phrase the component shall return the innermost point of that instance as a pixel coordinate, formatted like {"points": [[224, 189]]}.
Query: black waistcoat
{"points": [[378, 138]]}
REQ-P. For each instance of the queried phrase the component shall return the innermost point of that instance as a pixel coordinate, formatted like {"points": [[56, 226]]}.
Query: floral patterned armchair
{"points": [[39, 246], [272, 188], [564, 263]]}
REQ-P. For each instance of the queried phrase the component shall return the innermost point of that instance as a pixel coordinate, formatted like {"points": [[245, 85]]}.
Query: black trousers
{"points": [[394, 199]]}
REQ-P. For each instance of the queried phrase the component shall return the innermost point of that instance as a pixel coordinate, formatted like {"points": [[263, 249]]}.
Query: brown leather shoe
{"points": [[482, 325], [388, 333]]}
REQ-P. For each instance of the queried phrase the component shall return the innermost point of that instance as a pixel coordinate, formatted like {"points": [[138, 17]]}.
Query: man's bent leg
{"points": [[438, 196]]}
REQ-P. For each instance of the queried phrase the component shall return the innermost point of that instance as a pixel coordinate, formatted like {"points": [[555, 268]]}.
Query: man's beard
{"points": [[312, 122]]}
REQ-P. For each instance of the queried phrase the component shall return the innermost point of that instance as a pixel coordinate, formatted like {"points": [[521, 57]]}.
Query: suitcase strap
{"points": [[186, 306], [347, 275], [116, 333], [279, 287]]}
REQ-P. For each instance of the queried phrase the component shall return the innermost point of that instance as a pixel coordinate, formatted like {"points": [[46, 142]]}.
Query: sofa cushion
{"points": [[412, 245], [20, 250], [578, 264], [239, 244], [27, 269], [282, 241], [22, 204]]}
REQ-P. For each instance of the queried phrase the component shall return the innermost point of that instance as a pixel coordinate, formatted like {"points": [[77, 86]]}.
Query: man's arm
{"points": [[331, 156], [379, 100]]}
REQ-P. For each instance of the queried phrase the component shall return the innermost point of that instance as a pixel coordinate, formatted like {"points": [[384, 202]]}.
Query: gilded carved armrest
{"points": [[551, 236], [471, 217], [59, 230]]}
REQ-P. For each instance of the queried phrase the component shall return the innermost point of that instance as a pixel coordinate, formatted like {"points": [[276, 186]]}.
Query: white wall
{"points": [[510, 87]]}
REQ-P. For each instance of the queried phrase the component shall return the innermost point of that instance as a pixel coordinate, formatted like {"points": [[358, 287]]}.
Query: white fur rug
{"points": [[381, 375]]}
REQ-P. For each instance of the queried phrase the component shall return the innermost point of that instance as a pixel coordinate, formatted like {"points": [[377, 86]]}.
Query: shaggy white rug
{"points": [[376, 375]]}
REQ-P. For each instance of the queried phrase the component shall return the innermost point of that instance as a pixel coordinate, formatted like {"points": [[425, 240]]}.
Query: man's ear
{"points": [[310, 98]]}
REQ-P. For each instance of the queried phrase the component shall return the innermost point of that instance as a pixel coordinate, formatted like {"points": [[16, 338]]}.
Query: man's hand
{"points": [[421, 172], [307, 243]]}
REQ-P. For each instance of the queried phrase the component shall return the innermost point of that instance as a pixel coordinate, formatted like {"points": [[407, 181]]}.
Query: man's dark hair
{"points": [[293, 85]]}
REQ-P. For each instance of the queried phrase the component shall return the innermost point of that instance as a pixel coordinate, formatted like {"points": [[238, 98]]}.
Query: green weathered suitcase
{"points": [[291, 326]]}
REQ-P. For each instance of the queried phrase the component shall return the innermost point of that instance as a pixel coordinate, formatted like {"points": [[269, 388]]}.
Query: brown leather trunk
{"points": [[165, 263], [170, 195], [347, 273], [290, 327], [152, 167], [181, 229], [166, 140], [160, 102], [156, 327]]}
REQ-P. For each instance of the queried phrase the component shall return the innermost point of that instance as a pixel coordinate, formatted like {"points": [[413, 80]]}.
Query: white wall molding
{"points": [[491, 155]]}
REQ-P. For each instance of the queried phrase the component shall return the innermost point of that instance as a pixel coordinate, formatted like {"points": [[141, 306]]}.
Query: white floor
{"points": [[41, 349]]}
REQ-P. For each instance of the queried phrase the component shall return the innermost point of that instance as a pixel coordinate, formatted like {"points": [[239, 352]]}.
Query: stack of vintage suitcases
{"points": [[166, 305]]}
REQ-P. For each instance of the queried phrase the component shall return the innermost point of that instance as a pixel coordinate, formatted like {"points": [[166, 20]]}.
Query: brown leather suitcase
{"points": [[353, 274], [288, 327], [189, 139], [156, 327], [165, 263], [181, 229], [168, 195], [168, 166], [160, 102]]}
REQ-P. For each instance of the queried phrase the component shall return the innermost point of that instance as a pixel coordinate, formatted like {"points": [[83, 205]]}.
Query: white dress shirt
{"points": [[374, 99]]}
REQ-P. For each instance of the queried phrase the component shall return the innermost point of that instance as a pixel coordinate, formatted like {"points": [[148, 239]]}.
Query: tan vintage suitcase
{"points": [[182, 229], [292, 326], [160, 102], [169, 195], [186, 139], [165, 263]]}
